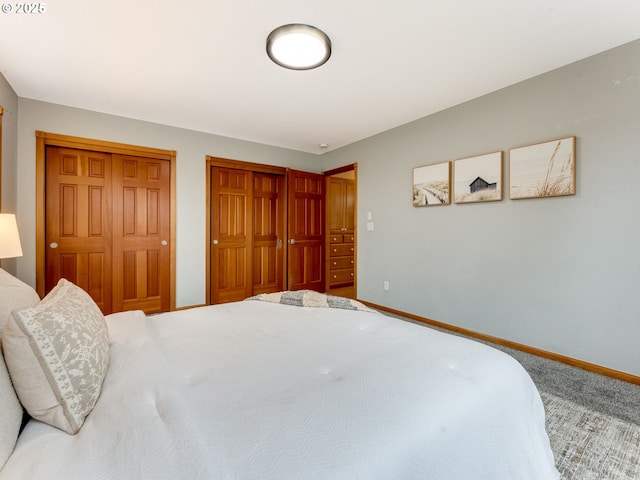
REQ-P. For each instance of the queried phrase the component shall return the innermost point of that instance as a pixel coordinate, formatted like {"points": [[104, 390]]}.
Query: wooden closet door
{"points": [[141, 233], [306, 230], [268, 232], [231, 234], [78, 221]]}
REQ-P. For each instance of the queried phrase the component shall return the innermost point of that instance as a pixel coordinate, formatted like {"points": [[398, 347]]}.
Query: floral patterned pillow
{"points": [[57, 354]]}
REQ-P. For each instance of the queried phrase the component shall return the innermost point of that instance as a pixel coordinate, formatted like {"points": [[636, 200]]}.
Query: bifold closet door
{"points": [[141, 234], [231, 234], [306, 230], [78, 230], [268, 233], [250, 218], [107, 227], [247, 233]]}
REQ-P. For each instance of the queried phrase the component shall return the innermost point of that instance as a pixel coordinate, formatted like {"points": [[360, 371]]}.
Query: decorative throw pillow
{"points": [[14, 294], [57, 354]]}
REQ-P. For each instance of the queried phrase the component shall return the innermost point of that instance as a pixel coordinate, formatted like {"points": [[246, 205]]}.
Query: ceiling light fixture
{"points": [[298, 47]]}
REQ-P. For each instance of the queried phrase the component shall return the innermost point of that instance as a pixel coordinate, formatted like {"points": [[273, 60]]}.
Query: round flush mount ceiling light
{"points": [[298, 47]]}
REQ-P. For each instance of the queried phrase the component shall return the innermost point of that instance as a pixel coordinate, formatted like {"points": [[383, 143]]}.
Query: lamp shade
{"points": [[9, 238]]}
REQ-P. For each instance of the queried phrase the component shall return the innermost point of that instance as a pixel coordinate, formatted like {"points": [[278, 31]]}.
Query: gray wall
{"points": [[561, 274], [9, 103], [192, 148]]}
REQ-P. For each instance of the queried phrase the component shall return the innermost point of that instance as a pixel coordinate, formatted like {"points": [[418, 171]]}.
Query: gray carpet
{"points": [[602, 394]]}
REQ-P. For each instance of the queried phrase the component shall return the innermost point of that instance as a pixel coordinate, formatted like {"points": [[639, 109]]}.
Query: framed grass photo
{"points": [[478, 179], [432, 185], [543, 170]]}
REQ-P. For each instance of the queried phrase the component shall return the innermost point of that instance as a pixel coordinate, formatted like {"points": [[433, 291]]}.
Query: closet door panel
{"points": [[268, 231], [350, 206], [335, 204], [141, 253], [231, 233], [78, 221], [306, 231]]}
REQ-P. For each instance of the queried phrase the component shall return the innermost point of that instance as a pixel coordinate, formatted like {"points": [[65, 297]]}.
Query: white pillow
{"points": [[10, 415], [14, 294], [57, 354]]}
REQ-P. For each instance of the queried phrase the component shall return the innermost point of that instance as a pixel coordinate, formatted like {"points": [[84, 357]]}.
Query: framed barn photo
{"points": [[432, 185], [478, 178], [542, 170]]}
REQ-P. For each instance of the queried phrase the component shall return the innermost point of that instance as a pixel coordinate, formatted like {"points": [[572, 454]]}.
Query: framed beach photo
{"points": [[478, 178], [432, 185], [541, 170]]}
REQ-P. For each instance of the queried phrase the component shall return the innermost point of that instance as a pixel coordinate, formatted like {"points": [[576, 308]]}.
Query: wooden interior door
{"points": [[305, 230], [78, 222], [141, 233], [268, 233], [231, 234]]}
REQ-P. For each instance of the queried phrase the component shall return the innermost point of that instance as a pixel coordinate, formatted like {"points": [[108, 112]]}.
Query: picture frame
{"points": [[432, 185], [541, 170], [478, 179]]}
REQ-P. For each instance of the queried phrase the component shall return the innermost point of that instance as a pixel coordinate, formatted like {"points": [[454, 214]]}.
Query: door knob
{"points": [[215, 242], [292, 241], [53, 245], [164, 243]]}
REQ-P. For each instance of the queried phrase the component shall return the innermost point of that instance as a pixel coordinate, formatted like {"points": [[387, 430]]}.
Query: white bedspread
{"points": [[259, 391]]}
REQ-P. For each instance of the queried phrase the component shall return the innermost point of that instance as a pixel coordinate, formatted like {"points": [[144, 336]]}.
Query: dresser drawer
{"points": [[336, 238], [349, 238], [340, 250], [341, 276], [341, 262]]}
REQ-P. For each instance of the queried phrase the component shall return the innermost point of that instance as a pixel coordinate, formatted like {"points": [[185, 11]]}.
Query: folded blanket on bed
{"points": [[311, 298]]}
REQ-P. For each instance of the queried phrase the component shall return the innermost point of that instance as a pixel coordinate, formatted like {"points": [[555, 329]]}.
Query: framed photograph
{"points": [[478, 179], [432, 185], [543, 170]]}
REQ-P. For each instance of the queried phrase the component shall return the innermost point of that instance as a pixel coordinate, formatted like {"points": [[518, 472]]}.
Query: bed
{"points": [[294, 385]]}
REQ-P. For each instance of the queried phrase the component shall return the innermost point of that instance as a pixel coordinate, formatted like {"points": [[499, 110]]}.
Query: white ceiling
{"points": [[201, 64]]}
